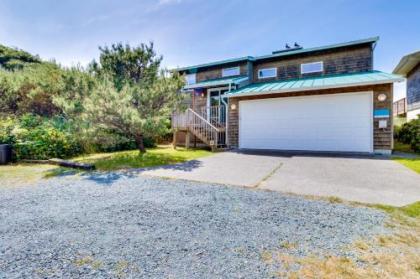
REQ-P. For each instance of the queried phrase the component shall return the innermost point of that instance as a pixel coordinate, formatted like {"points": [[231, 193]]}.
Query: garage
{"points": [[334, 122]]}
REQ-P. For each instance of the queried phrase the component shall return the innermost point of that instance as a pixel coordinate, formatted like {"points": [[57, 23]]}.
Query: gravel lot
{"points": [[119, 225]]}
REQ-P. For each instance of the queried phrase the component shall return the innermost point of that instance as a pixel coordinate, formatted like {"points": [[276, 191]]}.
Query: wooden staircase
{"points": [[212, 134]]}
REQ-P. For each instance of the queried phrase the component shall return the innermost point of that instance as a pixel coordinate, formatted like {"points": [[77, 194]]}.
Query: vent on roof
{"points": [[296, 46]]}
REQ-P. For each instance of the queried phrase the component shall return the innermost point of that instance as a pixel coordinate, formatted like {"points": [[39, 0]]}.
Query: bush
{"points": [[409, 133], [38, 138]]}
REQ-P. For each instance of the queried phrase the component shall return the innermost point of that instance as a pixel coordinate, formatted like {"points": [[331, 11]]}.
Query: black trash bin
{"points": [[5, 154]]}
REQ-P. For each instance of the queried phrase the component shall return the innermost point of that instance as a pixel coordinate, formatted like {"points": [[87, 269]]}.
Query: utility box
{"points": [[5, 154]]}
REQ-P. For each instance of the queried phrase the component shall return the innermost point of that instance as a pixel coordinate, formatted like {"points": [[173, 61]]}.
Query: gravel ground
{"points": [[117, 225]]}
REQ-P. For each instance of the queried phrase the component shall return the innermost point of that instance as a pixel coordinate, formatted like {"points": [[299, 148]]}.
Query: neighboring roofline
{"points": [[407, 63], [281, 54], [312, 88]]}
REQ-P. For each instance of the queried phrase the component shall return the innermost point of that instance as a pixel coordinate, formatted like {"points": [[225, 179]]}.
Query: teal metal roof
{"points": [[314, 83], [286, 53], [216, 63], [217, 82]]}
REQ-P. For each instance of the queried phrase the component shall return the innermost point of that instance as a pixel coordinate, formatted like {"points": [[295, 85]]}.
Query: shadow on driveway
{"points": [[320, 154], [109, 177]]}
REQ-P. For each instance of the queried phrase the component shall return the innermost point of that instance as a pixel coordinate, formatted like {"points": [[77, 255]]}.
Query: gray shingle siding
{"points": [[413, 88]]}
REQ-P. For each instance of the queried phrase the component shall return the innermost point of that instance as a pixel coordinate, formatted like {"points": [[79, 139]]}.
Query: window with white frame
{"points": [[190, 79], [267, 73], [228, 72], [314, 67]]}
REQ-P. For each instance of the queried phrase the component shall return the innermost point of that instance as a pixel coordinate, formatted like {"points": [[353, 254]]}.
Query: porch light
{"points": [[381, 97], [233, 106]]}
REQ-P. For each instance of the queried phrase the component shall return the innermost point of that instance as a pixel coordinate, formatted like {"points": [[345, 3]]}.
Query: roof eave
{"points": [[212, 64], [236, 80], [253, 93], [407, 63], [372, 40]]}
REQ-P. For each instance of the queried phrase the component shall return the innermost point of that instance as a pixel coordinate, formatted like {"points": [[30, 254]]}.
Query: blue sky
{"points": [[189, 32]]}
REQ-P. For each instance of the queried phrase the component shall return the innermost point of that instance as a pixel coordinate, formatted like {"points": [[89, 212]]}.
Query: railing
{"points": [[400, 107], [202, 128], [209, 130], [216, 115], [179, 120]]}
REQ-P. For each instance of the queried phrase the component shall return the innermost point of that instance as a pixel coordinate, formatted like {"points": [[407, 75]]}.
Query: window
{"points": [[227, 72], [267, 73], [190, 79], [314, 67]]}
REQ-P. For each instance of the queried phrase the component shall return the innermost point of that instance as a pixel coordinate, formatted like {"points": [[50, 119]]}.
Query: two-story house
{"points": [[409, 67], [313, 99]]}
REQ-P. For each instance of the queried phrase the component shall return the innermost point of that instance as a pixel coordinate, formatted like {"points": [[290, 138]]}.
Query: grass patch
{"points": [[402, 147], [411, 210], [18, 174], [411, 163], [334, 199], [61, 171], [162, 155]]}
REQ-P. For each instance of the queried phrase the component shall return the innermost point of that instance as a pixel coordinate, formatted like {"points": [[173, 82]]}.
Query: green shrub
{"points": [[38, 138], [409, 133]]}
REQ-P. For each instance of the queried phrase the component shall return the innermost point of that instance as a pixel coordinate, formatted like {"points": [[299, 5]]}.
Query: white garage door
{"points": [[339, 122]]}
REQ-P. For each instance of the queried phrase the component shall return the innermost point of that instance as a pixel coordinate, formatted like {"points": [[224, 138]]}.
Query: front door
{"points": [[216, 111]]}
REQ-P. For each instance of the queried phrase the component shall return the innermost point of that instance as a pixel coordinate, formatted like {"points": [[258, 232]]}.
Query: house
{"points": [[400, 108], [409, 67], [325, 98]]}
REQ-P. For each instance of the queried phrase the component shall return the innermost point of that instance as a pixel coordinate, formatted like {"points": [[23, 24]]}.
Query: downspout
{"points": [[227, 115]]}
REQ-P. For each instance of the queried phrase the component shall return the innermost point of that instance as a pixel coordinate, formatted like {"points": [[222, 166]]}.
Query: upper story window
{"points": [[267, 73], [190, 79], [227, 72], [314, 67]]}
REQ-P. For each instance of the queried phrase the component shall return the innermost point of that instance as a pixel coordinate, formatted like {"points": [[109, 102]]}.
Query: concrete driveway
{"points": [[362, 179]]}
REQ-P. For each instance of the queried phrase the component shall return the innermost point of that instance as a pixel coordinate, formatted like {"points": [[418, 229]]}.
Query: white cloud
{"points": [[168, 2], [96, 19]]}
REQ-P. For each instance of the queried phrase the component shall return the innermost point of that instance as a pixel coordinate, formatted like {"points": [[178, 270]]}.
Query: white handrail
{"points": [[203, 119]]}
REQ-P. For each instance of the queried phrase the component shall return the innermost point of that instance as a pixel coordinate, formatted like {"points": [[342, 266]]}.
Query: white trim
{"points": [[252, 93], [372, 126], [413, 114], [273, 68], [309, 72], [209, 90], [214, 89], [231, 68]]}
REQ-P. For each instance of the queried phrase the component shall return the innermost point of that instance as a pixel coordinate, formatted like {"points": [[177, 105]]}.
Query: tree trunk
{"points": [[140, 143]]}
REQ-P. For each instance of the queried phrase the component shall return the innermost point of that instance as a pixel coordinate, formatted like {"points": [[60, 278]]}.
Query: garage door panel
{"points": [[340, 122]]}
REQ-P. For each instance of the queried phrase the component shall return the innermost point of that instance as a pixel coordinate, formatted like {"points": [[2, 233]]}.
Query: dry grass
{"points": [[288, 245], [22, 174], [395, 255], [88, 261], [333, 199]]}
